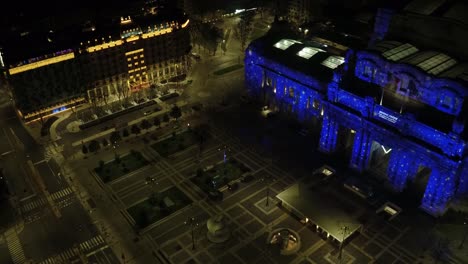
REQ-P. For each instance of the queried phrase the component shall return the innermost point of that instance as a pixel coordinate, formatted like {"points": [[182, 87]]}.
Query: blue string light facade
{"points": [[410, 143]]}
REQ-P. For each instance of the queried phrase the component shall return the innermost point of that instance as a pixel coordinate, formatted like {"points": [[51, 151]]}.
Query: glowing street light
{"points": [[465, 234], [191, 221]]}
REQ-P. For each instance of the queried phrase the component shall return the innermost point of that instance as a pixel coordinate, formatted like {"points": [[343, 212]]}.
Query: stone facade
{"points": [[410, 144]]}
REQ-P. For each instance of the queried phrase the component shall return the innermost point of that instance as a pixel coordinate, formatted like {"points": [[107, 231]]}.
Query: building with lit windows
{"points": [[303, 11], [394, 108], [50, 72]]}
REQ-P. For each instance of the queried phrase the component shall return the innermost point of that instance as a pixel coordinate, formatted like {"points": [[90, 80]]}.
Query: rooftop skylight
{"points": [[333, 61], [433, 61], [308, 52], [285, 43], [400, 52], [442, 67]]}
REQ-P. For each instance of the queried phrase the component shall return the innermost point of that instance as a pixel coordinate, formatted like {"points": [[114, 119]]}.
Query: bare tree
{"points": [[195, 34], [213, 37], [94, 100], [243, 29], [123, 91]]}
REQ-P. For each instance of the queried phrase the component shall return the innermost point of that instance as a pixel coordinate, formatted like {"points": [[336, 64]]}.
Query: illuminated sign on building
{"points": [[388, 117], [58, 110], [41, 63]]}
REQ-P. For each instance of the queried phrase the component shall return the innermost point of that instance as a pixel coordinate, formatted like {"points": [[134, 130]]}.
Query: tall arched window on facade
{"points": [[449, 100], [406, 85]]}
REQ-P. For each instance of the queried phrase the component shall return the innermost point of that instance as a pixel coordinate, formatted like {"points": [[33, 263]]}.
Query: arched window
{"points": [[368, 69], [406, 85], [449, 99], [291, 92]]}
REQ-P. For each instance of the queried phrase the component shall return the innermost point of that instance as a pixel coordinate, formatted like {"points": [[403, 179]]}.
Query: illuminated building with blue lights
{"points": [[52, 71], [393, 108]]}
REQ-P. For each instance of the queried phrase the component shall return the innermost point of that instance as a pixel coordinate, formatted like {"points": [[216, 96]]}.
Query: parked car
{"points": [[247, 178], [215, 195]]}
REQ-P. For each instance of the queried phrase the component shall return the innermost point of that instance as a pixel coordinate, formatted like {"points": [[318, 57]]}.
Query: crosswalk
{"points": [[32, 205], [61, 193], [14, 246], [27, 207], [93, 243], [52, 150], [73, 253]]}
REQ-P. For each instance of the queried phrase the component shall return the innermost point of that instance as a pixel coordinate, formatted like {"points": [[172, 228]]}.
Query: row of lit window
{"points": [[136, 63], [135, 57]]}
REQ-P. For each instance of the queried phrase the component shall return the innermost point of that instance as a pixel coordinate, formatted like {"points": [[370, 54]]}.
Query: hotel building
{"points": [[50, 72]]}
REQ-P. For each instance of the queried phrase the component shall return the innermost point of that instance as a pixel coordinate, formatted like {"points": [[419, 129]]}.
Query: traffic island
{"points": [[158, 206], [228, 69], [120, 166]]}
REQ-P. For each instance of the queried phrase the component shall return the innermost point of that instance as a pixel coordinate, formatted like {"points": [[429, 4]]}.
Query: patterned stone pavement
{"points": [[248, 217]]}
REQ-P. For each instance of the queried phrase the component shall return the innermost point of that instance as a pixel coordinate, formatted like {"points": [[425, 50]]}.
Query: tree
{"points": [[243, 29], [195, 33], [175, 112], [117, 158], [94, 146], [166, 117], [153, 199], [441, 251], [152, 91], [123, 91], [212, 37], [115, 137], [145, 124], [125, 132], [94, 103], [105, 96], [101, 165], [157, 122], [135, 129], [84, 149]]}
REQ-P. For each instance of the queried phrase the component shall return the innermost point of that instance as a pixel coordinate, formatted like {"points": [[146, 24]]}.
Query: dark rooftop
{"points": [[432, 62], [21, 45], [286, 52], [322, 207], [452, 9]]}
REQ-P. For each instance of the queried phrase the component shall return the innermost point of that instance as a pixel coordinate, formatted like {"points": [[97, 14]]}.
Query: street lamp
{"points": [[268, 180], [225, 150], [151, 181], [344, 230], [191, 221], [465, 234], [114, 147]]}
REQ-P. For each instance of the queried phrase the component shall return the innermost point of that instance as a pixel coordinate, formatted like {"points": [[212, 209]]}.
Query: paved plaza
{"points": [[249, 219]]}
